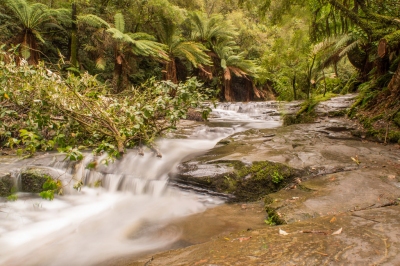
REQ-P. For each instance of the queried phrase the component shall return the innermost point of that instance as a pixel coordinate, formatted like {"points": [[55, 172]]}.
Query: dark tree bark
{"points": [[74, 40]]}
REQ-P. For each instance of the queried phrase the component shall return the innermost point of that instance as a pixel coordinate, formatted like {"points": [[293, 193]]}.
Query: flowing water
{"points": [[123, 209]]}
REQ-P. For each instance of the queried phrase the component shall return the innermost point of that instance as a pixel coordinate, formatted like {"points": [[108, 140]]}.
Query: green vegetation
{"points": [[6, 185], [248, 182], [110, 75]]}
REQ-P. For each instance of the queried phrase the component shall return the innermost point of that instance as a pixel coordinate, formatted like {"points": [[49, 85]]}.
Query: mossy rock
{"points": [[32, 180], [6, 185], [246, 182], [261, 178], [303, 118]]}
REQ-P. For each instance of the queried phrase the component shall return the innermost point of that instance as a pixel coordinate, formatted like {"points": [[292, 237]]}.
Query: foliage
{"points": [[276, 177], [30, 21], [47, 111], [50, 187]]}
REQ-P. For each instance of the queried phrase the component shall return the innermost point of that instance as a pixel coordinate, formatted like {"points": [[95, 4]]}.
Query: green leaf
{"points": [[223, 63]]}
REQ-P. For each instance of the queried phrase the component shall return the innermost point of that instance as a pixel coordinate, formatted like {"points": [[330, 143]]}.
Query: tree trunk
{"points": [[74, 40], [170, 71], [394, 84], [28, 49], [294, 87], [117, 75], [323, 72]]}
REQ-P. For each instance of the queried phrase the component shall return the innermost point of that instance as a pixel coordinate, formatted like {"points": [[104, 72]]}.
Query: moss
{"points": [[353, 109], [273, 217], [260, 178], [339, 113], [306, 113], [299, 118], [396, 119], [247, 182], [394, 136], [33, 180], [6, 185]]}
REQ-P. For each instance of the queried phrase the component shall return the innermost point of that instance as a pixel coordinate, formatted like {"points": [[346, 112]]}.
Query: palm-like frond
{"points": [[31, 16], [142, 47], [119, 22], [350, 47], [93, 21], [344, 40], [149, 48], [212, 30], [192, 51], [234, 62]]}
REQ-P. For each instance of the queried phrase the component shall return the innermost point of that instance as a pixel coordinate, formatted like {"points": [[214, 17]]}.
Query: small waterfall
{"points": [[251, 111], [117, 202]]}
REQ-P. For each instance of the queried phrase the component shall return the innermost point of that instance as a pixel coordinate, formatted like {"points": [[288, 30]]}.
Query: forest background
{"points": [[109, 75]]}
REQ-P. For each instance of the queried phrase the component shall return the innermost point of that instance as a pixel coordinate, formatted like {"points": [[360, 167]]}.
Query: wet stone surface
{"points": [[368, 237], [348, 183]]}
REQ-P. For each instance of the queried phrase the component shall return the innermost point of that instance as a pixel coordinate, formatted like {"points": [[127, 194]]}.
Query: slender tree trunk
{"points": [[117, 75], [336, 69], [170, 70], [294, 87], [228, 92], [309, 77], [323, 73], [29, 49], [74, 40]]}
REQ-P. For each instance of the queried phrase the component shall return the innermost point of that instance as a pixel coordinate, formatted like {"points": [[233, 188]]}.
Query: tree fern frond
{"points": [[149, 48], [193, 52], [101, 63], [38, 36], [89, 48], [345, 38], [141, 36], [349, 47], [119, 22], [93, 21], [117, 34], [51, 25]]}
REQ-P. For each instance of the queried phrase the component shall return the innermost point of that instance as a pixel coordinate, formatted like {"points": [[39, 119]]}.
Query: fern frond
{"points": [[119, 22], [101, 63], [93, 21], [345, 38], [349, 47]]}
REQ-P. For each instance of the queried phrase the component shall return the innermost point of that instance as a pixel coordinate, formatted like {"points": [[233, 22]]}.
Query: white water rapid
{"points": [[122, 209]]}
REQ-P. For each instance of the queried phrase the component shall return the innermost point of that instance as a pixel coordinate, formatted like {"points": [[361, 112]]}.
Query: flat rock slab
{"points": [[337, 193], [368, 237]]}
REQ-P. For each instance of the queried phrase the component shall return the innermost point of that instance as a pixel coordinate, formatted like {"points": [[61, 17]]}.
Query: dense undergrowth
{"points": [[42, 110]]}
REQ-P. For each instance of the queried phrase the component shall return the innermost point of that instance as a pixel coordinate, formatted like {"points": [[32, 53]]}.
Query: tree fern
{"points": [[31, 18]]}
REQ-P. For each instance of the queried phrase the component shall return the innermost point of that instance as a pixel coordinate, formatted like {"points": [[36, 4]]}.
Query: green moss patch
{"points": [[247, 182], [32, 180], [6, 185]]}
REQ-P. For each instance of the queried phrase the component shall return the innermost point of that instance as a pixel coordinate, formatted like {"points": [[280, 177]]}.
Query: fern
{"points": [[119, 22], [349, 47], [93, 21]]}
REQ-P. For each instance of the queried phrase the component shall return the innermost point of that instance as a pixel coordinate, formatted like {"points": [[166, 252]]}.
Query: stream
{"points": [[125, 208]]}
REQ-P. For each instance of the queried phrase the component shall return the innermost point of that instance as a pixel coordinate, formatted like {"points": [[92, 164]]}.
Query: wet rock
{"points": [[368, 237], [6, 185], [335, 107], [32, 180], [246, 182]]}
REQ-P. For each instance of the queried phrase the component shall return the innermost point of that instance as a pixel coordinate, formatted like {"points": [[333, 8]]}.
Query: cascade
{"points": [[123, 208]]}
